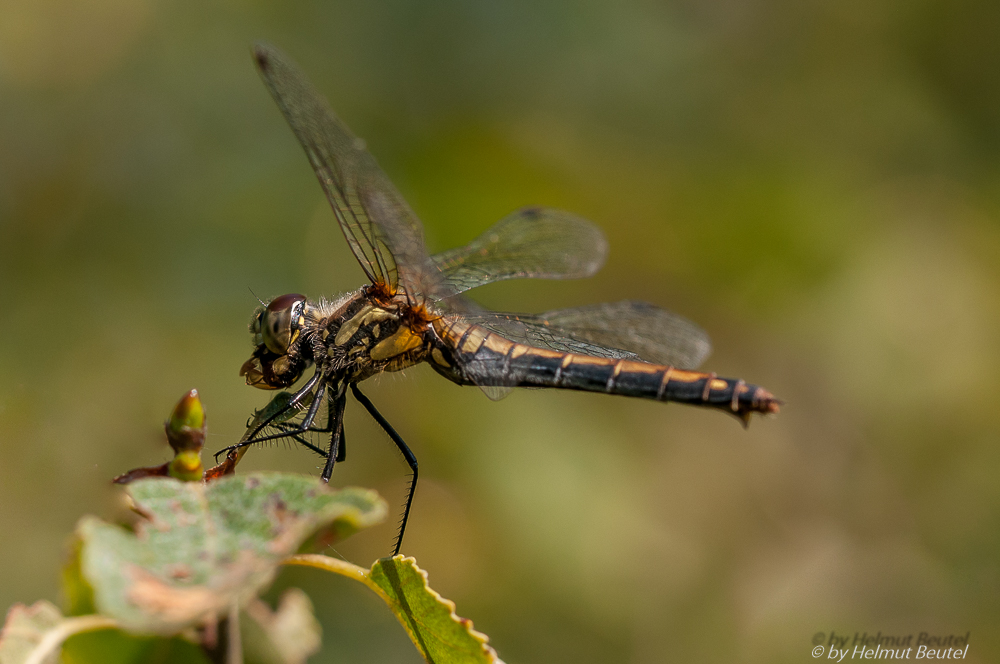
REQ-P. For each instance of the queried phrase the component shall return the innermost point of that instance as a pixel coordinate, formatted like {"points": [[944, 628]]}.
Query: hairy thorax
{"points": [[360, 336]]}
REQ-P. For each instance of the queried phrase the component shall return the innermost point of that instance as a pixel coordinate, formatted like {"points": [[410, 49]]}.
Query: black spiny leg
{"points": [[336, 424], [342, 450], [293, 431], [407, 454], [303, 427]]}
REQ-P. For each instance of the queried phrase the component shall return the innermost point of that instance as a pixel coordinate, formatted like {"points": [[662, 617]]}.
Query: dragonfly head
{"points": [[276, 328]]}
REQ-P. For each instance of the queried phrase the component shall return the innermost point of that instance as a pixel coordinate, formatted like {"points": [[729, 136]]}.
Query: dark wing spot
{"points": [[260, 55]]}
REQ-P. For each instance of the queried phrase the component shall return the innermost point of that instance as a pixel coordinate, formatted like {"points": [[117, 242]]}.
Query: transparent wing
{"points": [[380, 228], [627, 329], [535, 242]]}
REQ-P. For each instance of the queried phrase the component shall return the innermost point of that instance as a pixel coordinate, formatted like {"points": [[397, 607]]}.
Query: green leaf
{"points": [[438, 632], [441, 636], [204, 546], [288, 635]]}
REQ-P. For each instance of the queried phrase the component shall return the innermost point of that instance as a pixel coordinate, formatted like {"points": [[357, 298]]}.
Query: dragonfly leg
{"points": [[407, 454], [302, 427], [292, 431], [342, 450], [331, 418], [336, 424], [285, 426]]}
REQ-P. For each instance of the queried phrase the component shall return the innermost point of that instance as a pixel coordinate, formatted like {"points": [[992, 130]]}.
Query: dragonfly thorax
{"points": [[367, 336]]}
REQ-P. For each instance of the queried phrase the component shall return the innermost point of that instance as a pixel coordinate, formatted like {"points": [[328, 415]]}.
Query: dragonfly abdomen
{"points": [[647, 381], [486, 358]]}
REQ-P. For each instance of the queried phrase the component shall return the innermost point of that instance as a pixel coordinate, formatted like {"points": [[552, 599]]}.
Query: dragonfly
{"points": [[414, 308]]}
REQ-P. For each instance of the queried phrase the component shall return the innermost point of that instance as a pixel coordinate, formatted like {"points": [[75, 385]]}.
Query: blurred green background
{"points": [[816, 184]]}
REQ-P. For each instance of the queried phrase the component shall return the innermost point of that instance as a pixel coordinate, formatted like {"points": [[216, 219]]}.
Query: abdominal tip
{"points": [[764, 403], [767, 403]]}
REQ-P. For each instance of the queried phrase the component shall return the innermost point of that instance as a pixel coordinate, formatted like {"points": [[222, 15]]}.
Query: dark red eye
{"points": [[284, 302]]}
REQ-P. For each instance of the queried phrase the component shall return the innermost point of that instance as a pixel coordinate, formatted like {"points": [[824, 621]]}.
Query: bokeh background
{"points": [[817, 184]]}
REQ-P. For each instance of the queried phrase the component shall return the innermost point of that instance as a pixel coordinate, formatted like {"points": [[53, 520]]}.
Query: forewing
{"points": [[380, 228], [535, 242]]}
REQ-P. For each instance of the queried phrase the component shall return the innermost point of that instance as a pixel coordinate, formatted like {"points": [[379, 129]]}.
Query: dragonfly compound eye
{"points": [[281, 321]]}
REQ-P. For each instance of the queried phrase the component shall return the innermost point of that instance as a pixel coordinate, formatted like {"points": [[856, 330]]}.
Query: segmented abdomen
{"points": [[472, 354]]}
